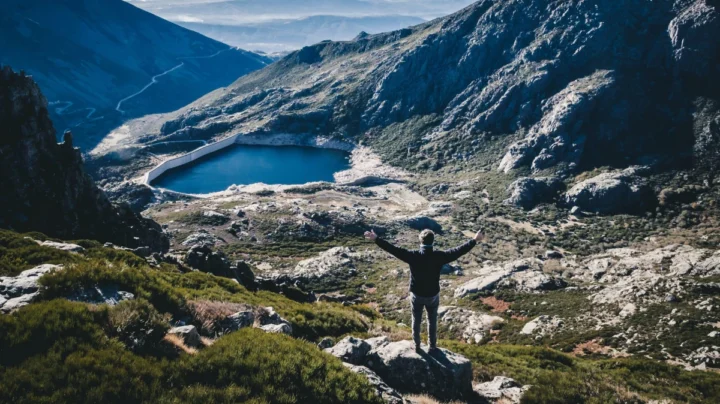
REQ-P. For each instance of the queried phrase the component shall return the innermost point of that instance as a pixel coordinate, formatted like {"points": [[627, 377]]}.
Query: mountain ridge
{"points": [[548, 81], [114, 50]]}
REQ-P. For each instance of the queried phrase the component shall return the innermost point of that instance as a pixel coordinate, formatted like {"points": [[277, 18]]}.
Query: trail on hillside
{"points": [[154, 78]]}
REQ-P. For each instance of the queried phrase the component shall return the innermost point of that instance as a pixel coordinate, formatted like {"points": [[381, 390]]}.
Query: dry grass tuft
{"points": [[178, 342], [425, 399], [208, 313]]}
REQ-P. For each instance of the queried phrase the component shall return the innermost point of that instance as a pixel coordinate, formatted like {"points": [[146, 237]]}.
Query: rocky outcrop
{"points": [[526, 193], [441, 374], [501, 389], [387, 393], [350, 350], [101, 294], [614, 192], [44, 187], [138, 196], [20, 290], [474, 327], [542, 325], [524, 275], [203, 258]]}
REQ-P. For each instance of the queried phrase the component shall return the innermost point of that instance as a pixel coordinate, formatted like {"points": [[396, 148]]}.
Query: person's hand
{"points": [[370, 235], [479, 237]]}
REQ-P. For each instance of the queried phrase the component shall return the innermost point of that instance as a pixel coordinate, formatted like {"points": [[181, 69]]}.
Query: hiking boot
{"points": [[418, 349], [433, 349]]}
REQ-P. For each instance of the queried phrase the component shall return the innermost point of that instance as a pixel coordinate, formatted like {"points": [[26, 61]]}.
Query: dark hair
{"points": [[427, 237]]}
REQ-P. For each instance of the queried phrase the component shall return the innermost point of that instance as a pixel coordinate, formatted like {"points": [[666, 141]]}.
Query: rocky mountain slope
{"points": [[102, 62], [513, 85], [43, 185]]}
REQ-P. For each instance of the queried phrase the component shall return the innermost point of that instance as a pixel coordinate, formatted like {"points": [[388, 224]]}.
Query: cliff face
{"points": [[577, 84], [43, 186]]}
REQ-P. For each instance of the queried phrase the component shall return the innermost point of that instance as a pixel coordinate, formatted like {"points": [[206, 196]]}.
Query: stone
{"points": [[63, 246], [325, 343], [282, 328], [527, 193], [15, 303], [475, 326], [441, 374], [552, 254], [387, 393], [101, 294], [501, 390], [351, 350], [189, 335], [542, 325], [575, 211], [237, 321], [614, 192], [18, 291], [201, 237]]}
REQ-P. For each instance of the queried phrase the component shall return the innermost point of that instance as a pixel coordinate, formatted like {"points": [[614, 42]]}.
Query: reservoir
{"points": [[245, 164]]}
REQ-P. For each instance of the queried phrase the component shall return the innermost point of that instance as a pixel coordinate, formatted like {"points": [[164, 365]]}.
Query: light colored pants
{"points": [[429, 304]]}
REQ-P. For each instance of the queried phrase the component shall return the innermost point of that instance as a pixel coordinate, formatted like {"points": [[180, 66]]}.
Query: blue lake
{"points": [[241, 165]]}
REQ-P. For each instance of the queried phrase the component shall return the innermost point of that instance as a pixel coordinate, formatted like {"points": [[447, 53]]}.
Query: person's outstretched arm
{"points": [[398, 252], [457, 252]]}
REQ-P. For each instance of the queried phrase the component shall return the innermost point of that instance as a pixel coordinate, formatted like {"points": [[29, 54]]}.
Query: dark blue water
{"points": [[241, 165]]}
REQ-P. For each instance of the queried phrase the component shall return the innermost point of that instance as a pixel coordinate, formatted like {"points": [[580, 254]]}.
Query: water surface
{"points": [[242, 165]]}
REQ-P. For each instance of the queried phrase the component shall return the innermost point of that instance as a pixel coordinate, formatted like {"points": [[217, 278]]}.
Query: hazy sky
{"points": [[249, 11]]}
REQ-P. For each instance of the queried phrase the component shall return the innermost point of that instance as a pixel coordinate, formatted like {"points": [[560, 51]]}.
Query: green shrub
{"points": [[59, 326], [137, 325], [60, 351], [560, 378], [143, 282], [309, 321], [106, 375], [18, 253], [275, 368]]}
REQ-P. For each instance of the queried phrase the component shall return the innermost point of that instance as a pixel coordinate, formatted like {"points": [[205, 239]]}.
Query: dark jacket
{"points": [[425, 264]]}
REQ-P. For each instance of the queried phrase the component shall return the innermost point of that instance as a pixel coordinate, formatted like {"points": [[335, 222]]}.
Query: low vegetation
{"points": [[561, 378], [60, 351]]}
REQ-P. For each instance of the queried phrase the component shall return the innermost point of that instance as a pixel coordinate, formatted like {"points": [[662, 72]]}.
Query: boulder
{"points": [[245, 275], [268, 317], [474, 326], [63, 246], [282, 328], [387, 393], [18, 291], [325, 343], [203, 258], [542, 325], [523, 275], [501, 390], [609, 193], [336, 261], [237, 321], [351, 350], [189, 335], [526, 193], [201, 237], [26, 282], [441, 374], [101, 294]]}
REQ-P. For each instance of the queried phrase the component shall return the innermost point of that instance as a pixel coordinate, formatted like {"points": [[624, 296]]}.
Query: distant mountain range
{"points": [[286, 35], [100, 62]]}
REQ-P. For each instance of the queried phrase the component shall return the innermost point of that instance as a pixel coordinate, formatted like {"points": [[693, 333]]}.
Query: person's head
{"points": [[427, 237]]}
